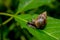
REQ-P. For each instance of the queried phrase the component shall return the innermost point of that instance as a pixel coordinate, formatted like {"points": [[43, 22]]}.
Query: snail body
{"points": [[40, 21]]}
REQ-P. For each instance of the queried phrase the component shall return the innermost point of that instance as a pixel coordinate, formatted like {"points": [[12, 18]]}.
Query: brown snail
{"points": [[40, 21]]}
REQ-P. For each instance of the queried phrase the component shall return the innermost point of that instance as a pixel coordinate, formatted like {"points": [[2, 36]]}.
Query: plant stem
{"points": [[11, 18]]}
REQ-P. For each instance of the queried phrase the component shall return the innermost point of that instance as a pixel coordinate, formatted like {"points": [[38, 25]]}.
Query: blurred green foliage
{"points": [[14, 15]]}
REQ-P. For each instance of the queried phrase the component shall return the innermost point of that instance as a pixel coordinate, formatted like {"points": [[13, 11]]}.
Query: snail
{"points": [[40, 21]]}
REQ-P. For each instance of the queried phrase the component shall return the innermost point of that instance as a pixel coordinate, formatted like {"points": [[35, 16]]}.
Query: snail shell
{"points": [[40, 21]]}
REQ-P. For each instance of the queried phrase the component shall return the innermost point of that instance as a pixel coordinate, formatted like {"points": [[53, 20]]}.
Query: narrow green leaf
{"points": [[30, 4]]}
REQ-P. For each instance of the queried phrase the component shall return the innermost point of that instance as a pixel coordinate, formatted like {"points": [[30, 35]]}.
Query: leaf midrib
{"points": [[50, 35], [24, 6]]}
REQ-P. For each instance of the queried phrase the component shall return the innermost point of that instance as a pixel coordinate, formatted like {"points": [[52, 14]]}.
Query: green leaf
{"points": [[51, 31], [31, 4]]}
